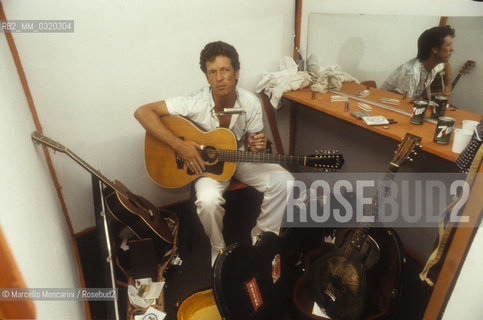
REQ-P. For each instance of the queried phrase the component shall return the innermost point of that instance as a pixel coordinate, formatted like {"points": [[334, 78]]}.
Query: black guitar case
{"points": [[248, 282], [384, 285]]}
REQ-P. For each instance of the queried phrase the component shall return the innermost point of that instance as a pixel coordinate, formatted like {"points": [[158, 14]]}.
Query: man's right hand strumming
{"points": [[189, 152]]}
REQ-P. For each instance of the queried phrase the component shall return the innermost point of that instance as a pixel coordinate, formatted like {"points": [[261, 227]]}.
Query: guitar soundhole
{"points": [[209, 155]]}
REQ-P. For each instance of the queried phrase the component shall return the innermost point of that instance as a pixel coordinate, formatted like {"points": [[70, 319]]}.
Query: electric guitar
{"points": [[437, 84], [220, 154], [137, 213], [339, 277]]}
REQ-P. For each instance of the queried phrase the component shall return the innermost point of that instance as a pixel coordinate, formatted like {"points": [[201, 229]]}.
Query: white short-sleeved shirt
{"points": [[411, 76], [199, 108]]}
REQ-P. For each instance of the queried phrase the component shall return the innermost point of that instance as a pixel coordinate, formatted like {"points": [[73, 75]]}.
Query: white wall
{"points": [[122, 54], [465, 302], [468, 45], [31, 217]]}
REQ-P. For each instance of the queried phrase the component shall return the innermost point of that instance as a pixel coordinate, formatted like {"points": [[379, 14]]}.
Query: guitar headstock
{"points": [[38, 137], [327, 160], [467, 66], [405, 149]]}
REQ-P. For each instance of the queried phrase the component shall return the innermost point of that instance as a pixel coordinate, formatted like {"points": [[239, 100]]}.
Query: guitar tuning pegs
{"points": [[411, 159]]}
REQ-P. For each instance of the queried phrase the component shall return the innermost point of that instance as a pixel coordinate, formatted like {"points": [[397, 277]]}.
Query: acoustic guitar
{"points": [[339, 277], [133, 211], [166, 168], [437, 84]]}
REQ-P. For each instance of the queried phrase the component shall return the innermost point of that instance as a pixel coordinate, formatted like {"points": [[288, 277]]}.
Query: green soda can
{"points": [[419, 109], [444, 127]]}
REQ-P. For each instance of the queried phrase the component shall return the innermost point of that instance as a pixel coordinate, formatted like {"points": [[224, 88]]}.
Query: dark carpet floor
{"points": [[195, 273]]}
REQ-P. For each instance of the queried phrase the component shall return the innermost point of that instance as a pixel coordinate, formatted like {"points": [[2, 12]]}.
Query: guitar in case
{"points": [[384, 285], [360, 276]]}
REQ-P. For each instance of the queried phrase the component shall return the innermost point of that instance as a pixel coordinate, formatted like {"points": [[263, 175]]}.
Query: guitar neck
{"points": [[455, 81], [469, 64], [382, 190], [95, 172], [261, 157]]}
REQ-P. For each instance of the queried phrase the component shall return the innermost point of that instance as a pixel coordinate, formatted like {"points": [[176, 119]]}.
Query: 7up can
{"points": [[419, 109], [443, 130]]}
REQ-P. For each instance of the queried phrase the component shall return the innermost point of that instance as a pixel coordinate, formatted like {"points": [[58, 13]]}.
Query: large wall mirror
{"points": [[369, 47]]}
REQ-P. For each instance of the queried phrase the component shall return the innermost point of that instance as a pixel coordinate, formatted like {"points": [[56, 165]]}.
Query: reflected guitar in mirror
{"points": [[438, 84]]}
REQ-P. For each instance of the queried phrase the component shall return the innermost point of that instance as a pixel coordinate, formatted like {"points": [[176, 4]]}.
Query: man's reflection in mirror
{"points": [[414, 77]]}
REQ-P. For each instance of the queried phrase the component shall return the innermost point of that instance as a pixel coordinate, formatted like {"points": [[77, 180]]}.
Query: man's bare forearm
{"points": [[149, 116]]}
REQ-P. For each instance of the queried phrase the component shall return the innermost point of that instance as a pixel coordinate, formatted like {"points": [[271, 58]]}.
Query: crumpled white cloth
{"points": [[326, 77], [274, 84], [331, 78]]}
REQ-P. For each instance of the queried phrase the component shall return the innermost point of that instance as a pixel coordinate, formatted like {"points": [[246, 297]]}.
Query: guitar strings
{"points": [[331, 158]]}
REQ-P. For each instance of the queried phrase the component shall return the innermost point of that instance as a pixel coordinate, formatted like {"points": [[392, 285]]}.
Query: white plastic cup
{"points": [[469, 125], [461, 140]]}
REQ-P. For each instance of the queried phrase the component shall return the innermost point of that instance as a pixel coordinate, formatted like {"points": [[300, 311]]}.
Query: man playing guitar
{"points": [[222, 104]]}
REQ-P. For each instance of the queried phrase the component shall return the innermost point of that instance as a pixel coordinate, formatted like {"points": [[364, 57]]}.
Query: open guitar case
{"points": [[384, 285], [261, 282], [384, 279]]}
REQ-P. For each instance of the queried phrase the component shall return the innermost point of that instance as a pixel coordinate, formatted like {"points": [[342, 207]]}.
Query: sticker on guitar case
{"points": [[254, 293], [276, 268]]}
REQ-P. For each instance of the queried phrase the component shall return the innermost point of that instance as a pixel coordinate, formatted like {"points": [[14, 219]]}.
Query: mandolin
{"points": [[167, 168], [339, 277], [133, 211]]}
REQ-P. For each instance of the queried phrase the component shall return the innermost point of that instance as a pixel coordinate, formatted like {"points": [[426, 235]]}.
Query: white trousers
{"points": [[270, 179]]}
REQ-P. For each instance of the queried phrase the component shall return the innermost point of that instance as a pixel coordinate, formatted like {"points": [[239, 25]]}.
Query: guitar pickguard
{"points": [[210, 159]]}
